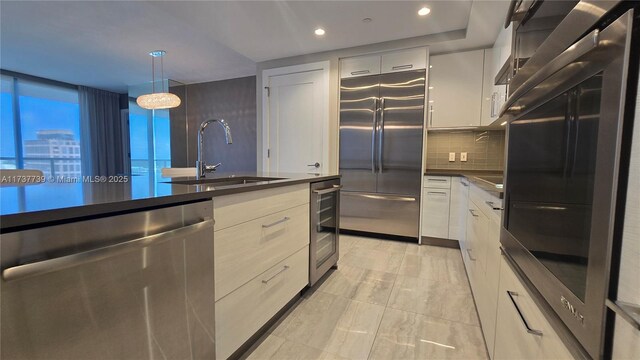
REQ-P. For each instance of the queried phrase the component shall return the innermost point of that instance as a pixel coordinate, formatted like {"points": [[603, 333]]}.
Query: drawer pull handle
{"points": [[437, 193], [360, 72], [492, 205], [470, 257], [402, 67], [473, 212], [286, 218], [440, 180], [511, 294], [276, 274]]}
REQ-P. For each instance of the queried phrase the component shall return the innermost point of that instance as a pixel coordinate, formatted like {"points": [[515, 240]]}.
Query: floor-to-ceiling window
{"points": [[150, 136], [40, 127]]}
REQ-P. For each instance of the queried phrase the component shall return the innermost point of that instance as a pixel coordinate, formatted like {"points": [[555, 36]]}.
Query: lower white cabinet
{"points": [[458, 209], [522, 331], [243, 312], [261, 251], [436, 198]]}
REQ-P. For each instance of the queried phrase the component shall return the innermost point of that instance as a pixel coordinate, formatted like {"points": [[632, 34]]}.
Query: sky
{"points": [[38, 114]]}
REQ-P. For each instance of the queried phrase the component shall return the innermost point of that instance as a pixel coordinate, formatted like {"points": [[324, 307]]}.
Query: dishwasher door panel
{"points": [[150, 300]]}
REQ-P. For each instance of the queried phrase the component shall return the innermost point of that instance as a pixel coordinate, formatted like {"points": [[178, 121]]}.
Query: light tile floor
{"points": [[387, 300]]}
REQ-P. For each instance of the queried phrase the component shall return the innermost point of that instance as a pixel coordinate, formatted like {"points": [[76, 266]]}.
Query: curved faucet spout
{"points": [[201, 166]]}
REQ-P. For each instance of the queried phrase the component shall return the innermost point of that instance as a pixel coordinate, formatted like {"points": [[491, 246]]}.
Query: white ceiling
{"points": [[105, 43]]}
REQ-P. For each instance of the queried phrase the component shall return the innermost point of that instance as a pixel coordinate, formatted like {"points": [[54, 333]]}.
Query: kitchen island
{"points": [[107, 270], [35, 205]]}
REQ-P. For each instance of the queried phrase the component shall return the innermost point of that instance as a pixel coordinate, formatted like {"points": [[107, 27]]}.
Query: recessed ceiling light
{"points": [[319, 31], [367, 20], [424, 11]]}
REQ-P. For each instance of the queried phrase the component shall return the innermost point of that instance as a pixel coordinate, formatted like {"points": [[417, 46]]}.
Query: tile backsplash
{"points": [[485, 149]]}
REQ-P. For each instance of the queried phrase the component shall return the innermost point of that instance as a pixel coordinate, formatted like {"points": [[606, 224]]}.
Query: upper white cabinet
{"points": [[490, 92], [360, 66], [455, 89], [411, 59], [402, 60]]}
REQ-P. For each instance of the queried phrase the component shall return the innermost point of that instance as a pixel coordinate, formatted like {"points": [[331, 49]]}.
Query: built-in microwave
{"points": [[564, 136]]}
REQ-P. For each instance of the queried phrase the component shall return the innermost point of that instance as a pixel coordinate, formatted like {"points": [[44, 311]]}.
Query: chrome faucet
{"points": [[201, 167]]}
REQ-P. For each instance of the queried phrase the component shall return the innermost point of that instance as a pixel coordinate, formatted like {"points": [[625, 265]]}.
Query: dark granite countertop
{"points": [[34, 205], [490, 181]]}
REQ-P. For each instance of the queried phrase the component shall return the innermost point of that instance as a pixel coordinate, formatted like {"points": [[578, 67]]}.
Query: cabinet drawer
{"points": [[522, 331], [412, 59], [234, 209], [246, 250], [440, 182], [435, 212], [360, 66], [240, 314], [486, 202]]}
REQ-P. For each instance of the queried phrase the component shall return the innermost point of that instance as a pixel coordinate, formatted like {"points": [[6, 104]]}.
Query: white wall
{"points": [[334, 80]]}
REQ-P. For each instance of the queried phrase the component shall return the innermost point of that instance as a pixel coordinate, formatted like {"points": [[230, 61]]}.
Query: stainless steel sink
{"points": [[240, 180]]}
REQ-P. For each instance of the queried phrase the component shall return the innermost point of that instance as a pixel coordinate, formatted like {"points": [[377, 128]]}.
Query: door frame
{"points": [[324, 66]]}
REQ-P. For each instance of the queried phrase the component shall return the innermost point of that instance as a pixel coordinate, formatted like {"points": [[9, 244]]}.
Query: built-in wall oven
{"points": [[325, 225], [564, 135]]}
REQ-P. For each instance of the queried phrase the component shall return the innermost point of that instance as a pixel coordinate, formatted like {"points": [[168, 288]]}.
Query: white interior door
{"points": [[296, 117]]}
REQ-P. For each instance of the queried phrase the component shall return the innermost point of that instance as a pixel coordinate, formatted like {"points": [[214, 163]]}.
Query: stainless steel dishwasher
{"points": [[132, 286], [325, 225]]}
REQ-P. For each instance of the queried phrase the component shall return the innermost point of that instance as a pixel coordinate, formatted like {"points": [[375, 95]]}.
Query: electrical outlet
{"points": [[463, 156], [452, 156]]}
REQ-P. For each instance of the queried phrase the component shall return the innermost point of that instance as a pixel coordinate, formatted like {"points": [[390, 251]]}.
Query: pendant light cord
{"points": [[153, 75], [162, 72]]}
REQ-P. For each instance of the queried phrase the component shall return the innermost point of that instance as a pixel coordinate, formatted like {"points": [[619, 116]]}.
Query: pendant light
{"points": [[162, 99]]}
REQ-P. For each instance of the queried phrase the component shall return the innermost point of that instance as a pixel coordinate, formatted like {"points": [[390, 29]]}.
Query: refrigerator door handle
{"points": [[381, 136], [373, 136]]}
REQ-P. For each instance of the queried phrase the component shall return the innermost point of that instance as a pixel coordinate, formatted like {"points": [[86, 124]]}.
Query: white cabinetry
{"points": [[402, 60], [410, 59], [458, 210], [481, 255], [455, 89], [436, 198], [360, 66], [501, 53], [522, 331], [490, 92], [261, 251]]}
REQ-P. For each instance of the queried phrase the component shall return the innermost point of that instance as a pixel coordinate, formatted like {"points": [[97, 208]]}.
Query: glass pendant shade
{"points": [[160, 100]]}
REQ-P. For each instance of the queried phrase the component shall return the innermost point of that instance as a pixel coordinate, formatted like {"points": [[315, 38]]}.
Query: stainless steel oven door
{"points": [[564, 132]]}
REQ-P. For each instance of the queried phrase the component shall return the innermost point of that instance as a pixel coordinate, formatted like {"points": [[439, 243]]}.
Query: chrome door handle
{"points": [[374, 129], [64, 262], [381, 136], [334, 188], [402, 67], [276, 274], [437, 193], [492, 205], [470, 257], [511, 294], [316, 165], [473, 212], [360, 72], [286, 218], [430, 115], [573, 53]]}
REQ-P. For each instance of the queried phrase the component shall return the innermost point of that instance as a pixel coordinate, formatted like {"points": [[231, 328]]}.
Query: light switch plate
{"points": [[452, 156], [463, 156]]}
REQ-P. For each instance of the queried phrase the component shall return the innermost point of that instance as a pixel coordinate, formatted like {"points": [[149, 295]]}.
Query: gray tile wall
{"points": [[485, 149]]}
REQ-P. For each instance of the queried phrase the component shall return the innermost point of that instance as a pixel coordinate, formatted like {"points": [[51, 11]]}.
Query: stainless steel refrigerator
{"points": [[381, 137]]}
